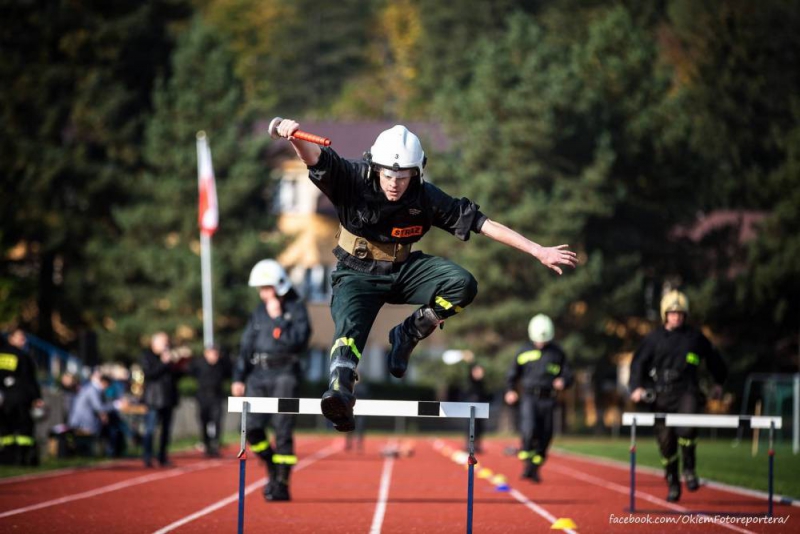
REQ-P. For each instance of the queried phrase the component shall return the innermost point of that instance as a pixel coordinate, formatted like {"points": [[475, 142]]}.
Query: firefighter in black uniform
{"points": [[669, 358], [541, 369], [19, 393], [384, 207], [269, 361]]}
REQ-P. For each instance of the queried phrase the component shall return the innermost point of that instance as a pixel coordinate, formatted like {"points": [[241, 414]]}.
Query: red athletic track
{"points": [[338, 491]]}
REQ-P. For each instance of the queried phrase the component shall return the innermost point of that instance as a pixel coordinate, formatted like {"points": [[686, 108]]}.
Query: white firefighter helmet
{"points": [[674, 301], [397, 148], [270, 273], [541, 329]]}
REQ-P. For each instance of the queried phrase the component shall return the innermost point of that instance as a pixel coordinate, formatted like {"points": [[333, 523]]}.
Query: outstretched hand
{"points": [[552, 257]]}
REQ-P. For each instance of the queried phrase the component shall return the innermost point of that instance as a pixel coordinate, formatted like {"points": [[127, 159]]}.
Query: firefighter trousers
{"points": [[670, 438], [358, 297], [536, 427], [281, 382]]}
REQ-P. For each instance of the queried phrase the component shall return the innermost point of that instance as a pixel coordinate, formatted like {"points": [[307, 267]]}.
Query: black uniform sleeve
{"points": [[566, 371], [296, 331], [513, 374], [456, 216], [714, 362], [334, 175], [641, 364], [243, 365]]}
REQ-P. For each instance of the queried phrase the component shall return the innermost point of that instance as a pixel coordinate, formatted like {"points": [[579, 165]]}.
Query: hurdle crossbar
{"points": [[387, 408], [366, 407], [634, 419]]}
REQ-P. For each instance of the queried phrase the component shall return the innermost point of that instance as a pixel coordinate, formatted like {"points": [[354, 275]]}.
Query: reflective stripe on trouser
{"points": [[284, 459], [534, 457], [358, 297]]}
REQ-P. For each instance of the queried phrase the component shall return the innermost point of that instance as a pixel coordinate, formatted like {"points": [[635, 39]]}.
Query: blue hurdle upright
{"points": [[380, 408]]}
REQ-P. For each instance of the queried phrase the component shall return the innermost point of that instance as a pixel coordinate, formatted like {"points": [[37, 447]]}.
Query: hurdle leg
{"points": [[242, 464], [633, 468], [471, 461], [771, 456]]}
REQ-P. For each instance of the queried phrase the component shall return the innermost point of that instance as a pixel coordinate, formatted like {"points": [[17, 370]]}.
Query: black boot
{"points": [[272, 474], [673, 483], [405, 336], [337, 403], [280, 491], [689, 475]]}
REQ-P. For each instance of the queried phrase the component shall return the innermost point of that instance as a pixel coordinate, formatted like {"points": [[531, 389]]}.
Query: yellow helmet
{"points": [[674, 301]]}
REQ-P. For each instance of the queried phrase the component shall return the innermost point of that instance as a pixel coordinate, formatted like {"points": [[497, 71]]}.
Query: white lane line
{"points": [[383, 496], [112, 487], [780, 499], [639, 494], [319, 455], [536, 508]]}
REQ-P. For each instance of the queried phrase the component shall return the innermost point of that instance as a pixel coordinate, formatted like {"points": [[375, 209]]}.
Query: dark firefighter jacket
{"points": [[536, 369], [365, 211], [278, 340], [18, 381], [674, 357]]}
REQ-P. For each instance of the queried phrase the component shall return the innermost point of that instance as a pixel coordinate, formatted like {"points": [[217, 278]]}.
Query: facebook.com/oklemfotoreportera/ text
{"points": [[695, 519]]}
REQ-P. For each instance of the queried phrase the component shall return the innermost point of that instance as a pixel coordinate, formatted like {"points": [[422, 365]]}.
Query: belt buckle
{"points": [[361, 250]]}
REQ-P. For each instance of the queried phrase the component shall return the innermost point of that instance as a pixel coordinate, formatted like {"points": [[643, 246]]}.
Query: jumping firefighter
{"points": [[670, 358], [19, 394], [542, 370], [269, 361], [384, 206]]}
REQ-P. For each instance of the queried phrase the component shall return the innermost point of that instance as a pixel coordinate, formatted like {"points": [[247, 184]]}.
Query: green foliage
{"points": [[75, 89], [559, 142], [150, 271]]}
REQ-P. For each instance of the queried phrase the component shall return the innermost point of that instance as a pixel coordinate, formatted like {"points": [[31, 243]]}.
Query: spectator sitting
{"points": [[69, 388], [90, 413]]}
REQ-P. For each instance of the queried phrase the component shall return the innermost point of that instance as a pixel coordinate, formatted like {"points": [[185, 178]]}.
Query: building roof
{"points": [[352, 139]]}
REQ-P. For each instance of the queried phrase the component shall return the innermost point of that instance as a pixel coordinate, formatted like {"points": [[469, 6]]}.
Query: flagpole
{"points": [[205, 266], [208, 225]]}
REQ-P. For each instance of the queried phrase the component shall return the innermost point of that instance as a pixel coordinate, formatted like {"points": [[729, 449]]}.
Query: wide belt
{"points": [[364, 249]]}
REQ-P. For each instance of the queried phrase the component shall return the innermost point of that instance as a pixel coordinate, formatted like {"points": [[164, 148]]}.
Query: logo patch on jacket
{"points": [[414, 211], [408, 231]]}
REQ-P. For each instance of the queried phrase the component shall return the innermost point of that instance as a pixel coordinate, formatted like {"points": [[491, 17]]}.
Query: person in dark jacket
{"points": [[269, 366], [670, 358], [211, 371], [540, 370], [19, 393], [162, 368], [384, 207]]}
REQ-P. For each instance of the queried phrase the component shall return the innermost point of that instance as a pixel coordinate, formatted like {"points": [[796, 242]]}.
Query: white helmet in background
{"points": [[541, 329], [270, 273], [397, 148]]}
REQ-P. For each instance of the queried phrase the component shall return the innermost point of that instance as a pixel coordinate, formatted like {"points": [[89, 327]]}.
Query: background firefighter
{"points": [[269, 361], [541, 370], [384, 206], [19, 393], [670, 357]]}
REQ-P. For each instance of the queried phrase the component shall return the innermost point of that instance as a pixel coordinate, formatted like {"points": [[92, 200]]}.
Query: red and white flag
{"points": [[208, 216]]}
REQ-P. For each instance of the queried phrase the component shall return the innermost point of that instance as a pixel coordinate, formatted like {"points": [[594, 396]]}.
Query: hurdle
{"points": [[772, 423], [380, 408]]}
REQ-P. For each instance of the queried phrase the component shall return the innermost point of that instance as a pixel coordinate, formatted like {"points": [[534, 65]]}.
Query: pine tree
{"points": [[151, 269], [559, 139], [76, 84]]}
